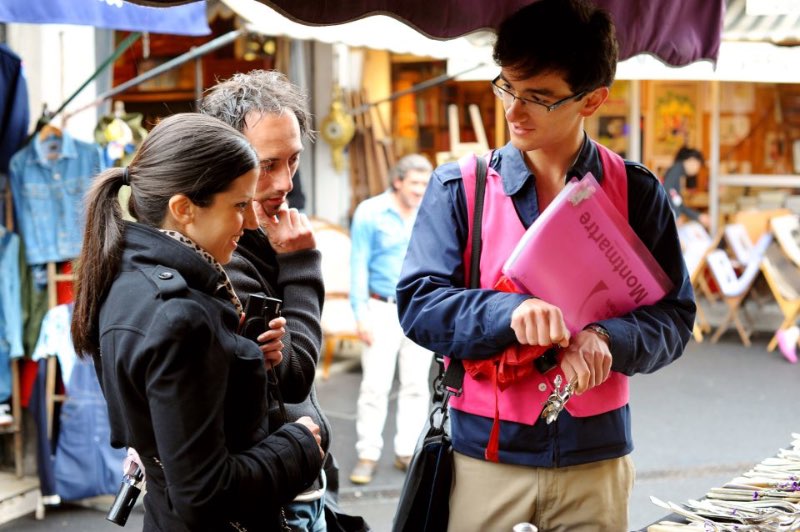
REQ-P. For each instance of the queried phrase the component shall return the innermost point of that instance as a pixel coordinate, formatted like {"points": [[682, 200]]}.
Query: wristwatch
{"points": [[601, 331]]}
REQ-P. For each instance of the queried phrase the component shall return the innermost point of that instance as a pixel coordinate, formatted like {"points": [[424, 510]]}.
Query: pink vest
{"points": [[502, 229]]}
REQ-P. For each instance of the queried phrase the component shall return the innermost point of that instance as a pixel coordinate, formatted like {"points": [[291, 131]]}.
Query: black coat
{"points": [[183, 389]]}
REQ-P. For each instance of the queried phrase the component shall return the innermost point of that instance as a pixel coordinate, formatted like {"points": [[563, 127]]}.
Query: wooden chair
{"points": [[337, 321], [696, 244], [787, 232], [783, 279], [738, 240], [735, 288]]}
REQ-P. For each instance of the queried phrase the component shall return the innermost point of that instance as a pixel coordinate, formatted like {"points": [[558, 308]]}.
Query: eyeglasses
{"points": [[508, 97]]}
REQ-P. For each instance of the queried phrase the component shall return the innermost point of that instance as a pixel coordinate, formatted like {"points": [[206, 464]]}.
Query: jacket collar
{"points": [[146, 247], [68, 149], [510, 163]]}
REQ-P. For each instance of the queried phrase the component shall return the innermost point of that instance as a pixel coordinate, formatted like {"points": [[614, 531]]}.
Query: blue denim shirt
{"points": [[48, 181], [10, 308], [379, 238], [438, 312]]}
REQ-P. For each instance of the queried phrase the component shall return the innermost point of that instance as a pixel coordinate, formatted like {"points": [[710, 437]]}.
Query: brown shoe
{"points": [[363, 471], [402, 462]]}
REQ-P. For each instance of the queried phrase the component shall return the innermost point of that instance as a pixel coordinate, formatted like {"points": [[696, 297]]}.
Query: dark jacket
{"points": [[182, 388], [672, 181], [295, 278], [437, 312]]}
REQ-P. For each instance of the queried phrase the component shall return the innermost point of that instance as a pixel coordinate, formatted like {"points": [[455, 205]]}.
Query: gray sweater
{"points": [[295, 278]]}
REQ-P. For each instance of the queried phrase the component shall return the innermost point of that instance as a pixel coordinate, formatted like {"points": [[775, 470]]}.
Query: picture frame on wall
{"points": [[612, 132], [610, 125], [675, 111]]}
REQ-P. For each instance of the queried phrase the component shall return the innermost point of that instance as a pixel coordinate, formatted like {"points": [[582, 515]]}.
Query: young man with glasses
{"points": [[557, 60]]}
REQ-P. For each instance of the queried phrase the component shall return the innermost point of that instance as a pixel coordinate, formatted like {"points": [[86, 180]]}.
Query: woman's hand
{"points": [[308, 423], [270, 342]]}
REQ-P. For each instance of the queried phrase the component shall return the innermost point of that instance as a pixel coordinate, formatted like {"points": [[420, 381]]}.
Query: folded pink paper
{"points": [[582, 256]]}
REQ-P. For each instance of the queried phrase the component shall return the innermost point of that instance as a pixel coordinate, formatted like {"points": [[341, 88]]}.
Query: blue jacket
{"points": [[13, 115], [10, 308], [48, 188], [437, 312]]}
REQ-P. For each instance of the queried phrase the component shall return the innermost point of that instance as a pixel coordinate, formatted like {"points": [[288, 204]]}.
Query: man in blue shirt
{"points": [[380, 232], [557, 59]]}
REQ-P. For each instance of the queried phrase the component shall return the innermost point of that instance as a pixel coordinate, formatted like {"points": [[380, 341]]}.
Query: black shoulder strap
{"points": [[454, 376]]}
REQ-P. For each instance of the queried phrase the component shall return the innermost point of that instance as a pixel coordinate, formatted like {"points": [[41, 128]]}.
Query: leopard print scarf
{"points": [[225, 283]]}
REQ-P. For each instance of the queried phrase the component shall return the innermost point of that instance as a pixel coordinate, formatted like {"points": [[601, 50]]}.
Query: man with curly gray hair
{"points": [[280, 259]]}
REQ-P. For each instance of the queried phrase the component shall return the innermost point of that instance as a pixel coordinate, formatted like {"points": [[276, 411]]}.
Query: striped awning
{"points": [[781, 29]]}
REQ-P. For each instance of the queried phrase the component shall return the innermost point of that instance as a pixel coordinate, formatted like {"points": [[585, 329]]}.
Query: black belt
{"points": [[391, 300]]}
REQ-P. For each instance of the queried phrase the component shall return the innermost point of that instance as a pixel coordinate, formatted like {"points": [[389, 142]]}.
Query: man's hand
{"points": [[586, 361], [314, 428], [289, 230], [536, 322], [365, 332], [270, 342]]}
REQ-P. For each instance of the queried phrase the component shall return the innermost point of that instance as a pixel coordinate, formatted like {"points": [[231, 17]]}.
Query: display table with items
{"points": [[765, 498]]}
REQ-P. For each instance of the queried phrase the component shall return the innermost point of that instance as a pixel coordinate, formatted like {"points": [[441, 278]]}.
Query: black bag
{"points": [[335, 519], [338, 521], [425, 498]]}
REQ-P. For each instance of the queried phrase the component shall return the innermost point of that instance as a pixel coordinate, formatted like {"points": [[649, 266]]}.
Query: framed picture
{"points": [[675, 117], [612, 132], [733, 129], [610, 124], [737, 97]]}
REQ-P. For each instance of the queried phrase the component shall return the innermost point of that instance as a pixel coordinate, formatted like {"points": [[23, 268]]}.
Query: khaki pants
{"points": [[494, 497]]}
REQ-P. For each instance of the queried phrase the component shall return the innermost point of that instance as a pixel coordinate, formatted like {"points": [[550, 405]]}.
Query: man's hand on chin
{"points": [[288, 230]]}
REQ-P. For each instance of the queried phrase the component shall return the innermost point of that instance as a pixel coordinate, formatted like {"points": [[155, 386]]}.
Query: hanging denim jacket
{"points": [[84, 463], [10, 309], [48, 181]]}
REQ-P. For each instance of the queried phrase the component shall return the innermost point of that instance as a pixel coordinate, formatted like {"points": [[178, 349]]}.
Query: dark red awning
{"points": [[678, 32]]}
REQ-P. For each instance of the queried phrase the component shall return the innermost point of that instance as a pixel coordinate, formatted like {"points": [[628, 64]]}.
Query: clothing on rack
{"points": [[49, 178], [10, 309], [37, 407], [33, 286], [55, 339], [119, 135], [84, 463], [13, 115]]}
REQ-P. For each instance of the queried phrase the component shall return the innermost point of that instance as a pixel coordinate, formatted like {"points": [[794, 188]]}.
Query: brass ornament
{"points": [[337, 129]]}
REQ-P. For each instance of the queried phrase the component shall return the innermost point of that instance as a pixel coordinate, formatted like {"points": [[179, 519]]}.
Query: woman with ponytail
{"points": [[157, 313]]}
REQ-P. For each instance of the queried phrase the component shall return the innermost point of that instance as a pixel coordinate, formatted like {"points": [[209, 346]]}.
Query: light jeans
{"points": [[307, 516], [390, 349]]}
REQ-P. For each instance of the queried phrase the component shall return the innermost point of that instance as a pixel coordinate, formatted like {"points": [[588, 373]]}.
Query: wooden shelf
{"points": [[160, 96]]}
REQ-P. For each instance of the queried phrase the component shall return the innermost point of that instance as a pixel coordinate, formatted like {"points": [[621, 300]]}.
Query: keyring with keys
{"points": [[557, 400]]}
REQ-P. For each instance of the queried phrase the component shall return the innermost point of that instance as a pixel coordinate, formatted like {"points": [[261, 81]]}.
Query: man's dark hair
{"points": [[570, 37], [262, 91], [689, 153]]}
